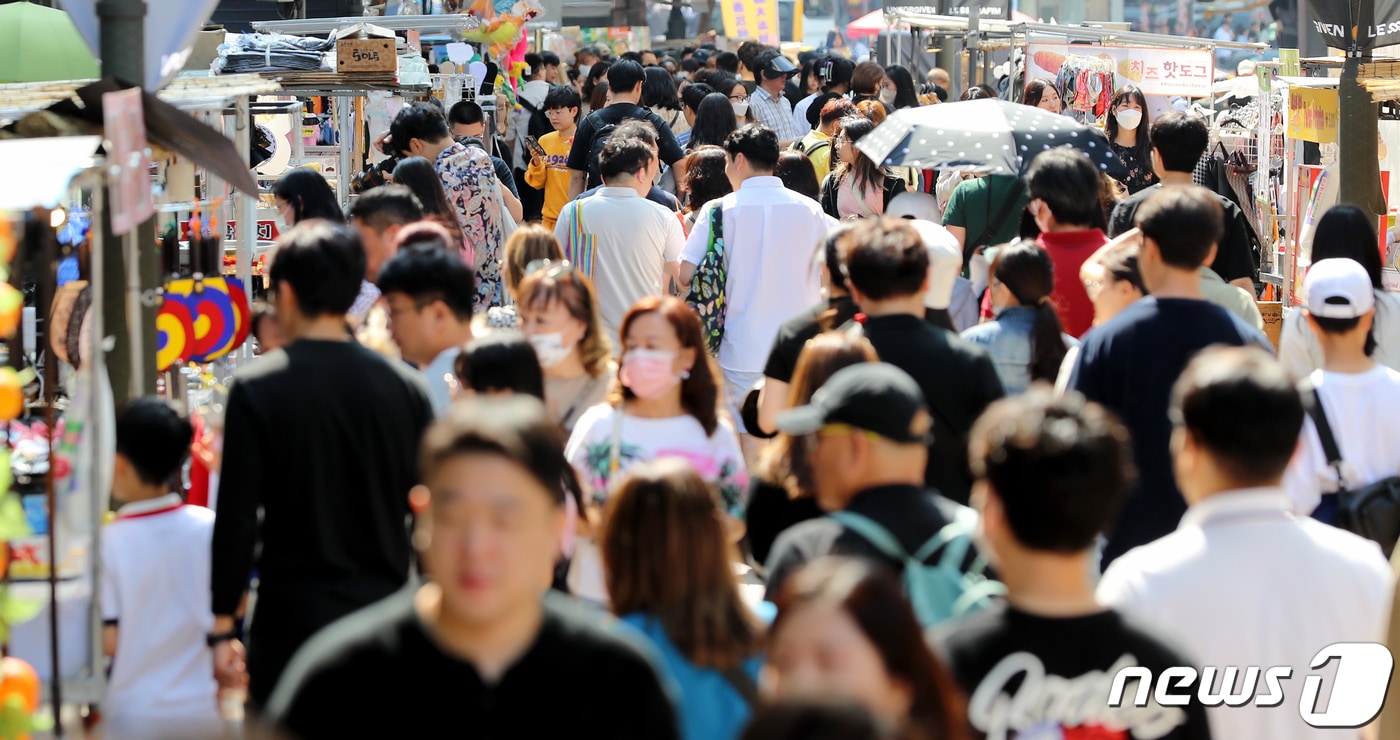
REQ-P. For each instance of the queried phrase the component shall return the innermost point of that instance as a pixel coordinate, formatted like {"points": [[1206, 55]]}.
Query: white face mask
{"points": [[550, 348], [583, 69], [741, 109], [1128, 119], [887, 96]]}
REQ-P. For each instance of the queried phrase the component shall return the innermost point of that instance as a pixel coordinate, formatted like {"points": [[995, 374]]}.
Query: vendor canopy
{"points": [[1356, 25]]}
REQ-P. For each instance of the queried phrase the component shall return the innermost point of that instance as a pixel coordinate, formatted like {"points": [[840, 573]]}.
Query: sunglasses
{"points": [[553, 269]]}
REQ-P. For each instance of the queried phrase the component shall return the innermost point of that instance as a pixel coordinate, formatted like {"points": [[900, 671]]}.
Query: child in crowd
{"points": [[549, 162], [155, 584]]}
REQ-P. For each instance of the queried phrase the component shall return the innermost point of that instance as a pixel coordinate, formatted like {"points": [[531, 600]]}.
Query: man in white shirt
{"points": [[771, 235], [627, 245], [1242, 582], [429, 294], [768, 104], [1358, 396]]}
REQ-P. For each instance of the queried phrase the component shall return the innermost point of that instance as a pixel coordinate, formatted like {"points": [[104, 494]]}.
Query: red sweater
{"points": [[1069, 250]]}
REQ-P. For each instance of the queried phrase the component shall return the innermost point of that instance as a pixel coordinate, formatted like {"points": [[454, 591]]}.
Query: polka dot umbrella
{"points": [[983, 136]]}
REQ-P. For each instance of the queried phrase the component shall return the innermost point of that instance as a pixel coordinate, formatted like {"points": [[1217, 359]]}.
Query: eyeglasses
{"points": [[739, 98]]}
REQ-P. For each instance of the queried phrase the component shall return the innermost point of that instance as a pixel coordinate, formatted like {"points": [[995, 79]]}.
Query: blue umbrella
{"points": [[985, 136]]}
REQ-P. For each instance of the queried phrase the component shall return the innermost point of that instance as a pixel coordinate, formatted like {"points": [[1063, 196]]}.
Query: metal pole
{"points": [[99, 361], [131, 248], [247, 214], [122, 39], [347, 141]]}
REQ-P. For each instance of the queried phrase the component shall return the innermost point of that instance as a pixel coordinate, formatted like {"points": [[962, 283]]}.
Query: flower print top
{"points": [[1140, 174], [469, 178], [717, 459]]}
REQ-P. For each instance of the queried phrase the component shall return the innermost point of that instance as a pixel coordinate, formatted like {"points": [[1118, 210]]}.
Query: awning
{"points": [[47, 167]]}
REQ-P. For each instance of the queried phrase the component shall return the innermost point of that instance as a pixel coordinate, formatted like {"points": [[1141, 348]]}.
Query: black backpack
{"points": [[539, 123], [600, 140]]}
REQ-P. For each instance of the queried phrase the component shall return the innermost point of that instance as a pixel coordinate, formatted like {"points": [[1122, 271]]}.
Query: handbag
{"points": [[706, 294], [582, 245], [1372, 510]]}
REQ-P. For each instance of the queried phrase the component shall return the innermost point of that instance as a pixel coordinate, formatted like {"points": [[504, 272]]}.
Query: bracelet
{"points": [[214, 639]]}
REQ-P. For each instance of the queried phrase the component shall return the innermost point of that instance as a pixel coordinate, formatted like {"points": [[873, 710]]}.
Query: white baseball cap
{"points": [[944, 262], [1338, 289]]}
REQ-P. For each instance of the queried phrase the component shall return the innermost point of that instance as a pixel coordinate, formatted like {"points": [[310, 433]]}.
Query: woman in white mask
{"points": [[559, 314], [665, 405], [1127, 132]]}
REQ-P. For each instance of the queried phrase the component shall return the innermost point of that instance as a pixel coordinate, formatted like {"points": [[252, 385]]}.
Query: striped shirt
{"points": [[775, 113]]}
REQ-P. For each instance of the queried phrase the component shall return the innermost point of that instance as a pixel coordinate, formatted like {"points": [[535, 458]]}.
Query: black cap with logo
{"points": [[874, 396]]}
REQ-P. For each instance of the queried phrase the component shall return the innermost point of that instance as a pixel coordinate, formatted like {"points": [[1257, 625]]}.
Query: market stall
{"points": [[58, 404]]}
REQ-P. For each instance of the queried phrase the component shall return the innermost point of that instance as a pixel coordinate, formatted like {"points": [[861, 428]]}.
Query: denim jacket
{"points": [[1008, 341]]}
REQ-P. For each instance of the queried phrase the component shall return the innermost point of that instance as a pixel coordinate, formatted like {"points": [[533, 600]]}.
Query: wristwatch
{"points": [[213, 639]]}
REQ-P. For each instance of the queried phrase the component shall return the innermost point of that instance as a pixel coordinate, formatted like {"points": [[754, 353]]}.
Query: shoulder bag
{"points": [[1372, 510], [706, 294]]}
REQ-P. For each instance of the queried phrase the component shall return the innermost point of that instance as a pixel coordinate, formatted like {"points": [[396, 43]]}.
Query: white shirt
{"points": [[441, 376], [799, 114], [717, 458], [1241, 582], [155, 587], [634, 240], [770, 237], [1363, 410]]}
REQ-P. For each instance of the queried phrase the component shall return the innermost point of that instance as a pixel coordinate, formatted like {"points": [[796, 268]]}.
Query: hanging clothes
{"points": [[1086, 85]]}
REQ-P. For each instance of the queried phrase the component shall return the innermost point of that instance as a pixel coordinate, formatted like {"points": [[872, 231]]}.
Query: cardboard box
{"points": [[365, 48], [1272, 311]]}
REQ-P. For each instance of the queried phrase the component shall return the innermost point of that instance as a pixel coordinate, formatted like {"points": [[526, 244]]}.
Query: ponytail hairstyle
{"points": [[1027, 271]]}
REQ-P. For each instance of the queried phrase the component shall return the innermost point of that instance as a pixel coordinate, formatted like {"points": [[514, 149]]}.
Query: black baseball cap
{"points": [[874, 396], [775, 65]]}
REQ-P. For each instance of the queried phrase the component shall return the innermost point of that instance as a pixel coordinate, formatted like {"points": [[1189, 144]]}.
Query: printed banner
{"points": [[755, 20], [1313, 114], [1185, 72]]}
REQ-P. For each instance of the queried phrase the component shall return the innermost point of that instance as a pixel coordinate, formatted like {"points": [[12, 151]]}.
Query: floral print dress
{"points": [[469, 178], [1140, 174]]}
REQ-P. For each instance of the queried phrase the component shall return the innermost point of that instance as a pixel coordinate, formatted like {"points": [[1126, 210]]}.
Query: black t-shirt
{"points": [[323, 437], [770, 512], [614, 114], [794, 333], [912, 514], [379, 673], [1032, 676], [1130, 365], [1234, 258], [959, 381]]}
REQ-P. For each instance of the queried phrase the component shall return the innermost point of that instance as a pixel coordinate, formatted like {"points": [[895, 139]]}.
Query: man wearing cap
{"points": [[867, 432], [1358, 395], [768, 104]]}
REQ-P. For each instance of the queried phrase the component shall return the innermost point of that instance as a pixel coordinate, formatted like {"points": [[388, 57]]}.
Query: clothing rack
{"points": [[1086, 85]]}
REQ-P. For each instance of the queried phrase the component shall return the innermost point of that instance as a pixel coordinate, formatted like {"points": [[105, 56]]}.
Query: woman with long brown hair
{"points": [[780, 492], [665, 404], [559, 314], [419, 175], [858, 188], [667, 551], [844, 629]]}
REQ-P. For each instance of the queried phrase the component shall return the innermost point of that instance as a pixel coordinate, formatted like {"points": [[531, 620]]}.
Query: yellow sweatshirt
{"points": [[552, 175]]}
